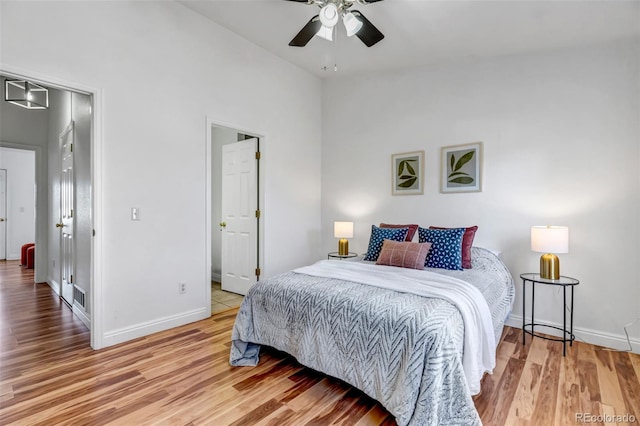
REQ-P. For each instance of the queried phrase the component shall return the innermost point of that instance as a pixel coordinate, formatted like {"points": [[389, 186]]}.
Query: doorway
{"points": [[17, 202], [44, 128], [234, 214]]}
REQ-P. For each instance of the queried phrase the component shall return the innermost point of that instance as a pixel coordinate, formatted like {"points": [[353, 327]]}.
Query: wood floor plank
{"points": [[610, 391], [629, 382], [524, 400], [49, 375], [496, 412], [568, 388], [547, 398]]}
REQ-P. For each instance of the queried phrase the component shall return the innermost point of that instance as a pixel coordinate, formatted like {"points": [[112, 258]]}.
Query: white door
{"points": [[3, 214], [239, 222], [66, 214]]}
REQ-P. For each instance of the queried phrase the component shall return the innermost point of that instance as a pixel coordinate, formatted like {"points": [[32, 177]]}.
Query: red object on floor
{"points": [[23, 253], [31, 252]]}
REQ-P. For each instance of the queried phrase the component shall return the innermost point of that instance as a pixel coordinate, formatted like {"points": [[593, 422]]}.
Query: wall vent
{"points": [[79, 296]]}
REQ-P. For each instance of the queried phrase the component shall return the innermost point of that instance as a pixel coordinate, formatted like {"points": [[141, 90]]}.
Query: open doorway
{"points": [[234, 214], [17, 205], [65, 122]]}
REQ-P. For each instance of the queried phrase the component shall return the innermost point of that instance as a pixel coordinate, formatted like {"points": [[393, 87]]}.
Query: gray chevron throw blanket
{"points": [[401, 349]]}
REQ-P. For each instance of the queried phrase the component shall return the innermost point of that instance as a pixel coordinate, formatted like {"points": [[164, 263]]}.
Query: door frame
{"points": [[96, 285], [262, 138]]}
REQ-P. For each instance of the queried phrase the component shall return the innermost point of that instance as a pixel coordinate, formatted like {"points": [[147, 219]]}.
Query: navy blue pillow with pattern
{"points": [[378, 235], [446, 247]]}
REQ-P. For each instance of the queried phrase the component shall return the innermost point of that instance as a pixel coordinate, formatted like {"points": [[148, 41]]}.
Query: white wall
{"points": [[21, 198], [561, 135], [162, 69]]}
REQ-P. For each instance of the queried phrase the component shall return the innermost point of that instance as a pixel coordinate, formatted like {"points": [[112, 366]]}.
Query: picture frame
{"points": [[461, 168], [407, 173]]}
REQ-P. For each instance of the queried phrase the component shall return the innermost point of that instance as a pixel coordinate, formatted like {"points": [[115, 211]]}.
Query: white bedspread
{"points": [[479, 339]]}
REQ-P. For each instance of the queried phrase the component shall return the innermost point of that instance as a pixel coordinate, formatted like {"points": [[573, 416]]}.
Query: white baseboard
{"points": [[82, 315], [216, 277], [13, 256], [54, 285], [593, 337], [143, 329]]}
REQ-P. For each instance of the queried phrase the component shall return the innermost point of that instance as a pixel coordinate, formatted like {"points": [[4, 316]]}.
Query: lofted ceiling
{"points": [[426, 32]]}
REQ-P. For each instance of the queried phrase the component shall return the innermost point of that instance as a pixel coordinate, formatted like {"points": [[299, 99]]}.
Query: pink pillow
{"points": [[412, 229], [403, 254], [467, 242]]}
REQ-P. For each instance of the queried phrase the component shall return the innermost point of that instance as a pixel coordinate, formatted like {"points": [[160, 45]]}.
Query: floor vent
{"points": [[78, 296]]}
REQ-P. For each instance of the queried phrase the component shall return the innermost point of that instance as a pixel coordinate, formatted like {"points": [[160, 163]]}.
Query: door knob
{"points": [[1, 219], [223, 224], [59, 225]]}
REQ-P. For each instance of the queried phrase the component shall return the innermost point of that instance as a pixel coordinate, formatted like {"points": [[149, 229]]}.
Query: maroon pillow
{"points": [[403, 254], [412, 229], [467, 242]]}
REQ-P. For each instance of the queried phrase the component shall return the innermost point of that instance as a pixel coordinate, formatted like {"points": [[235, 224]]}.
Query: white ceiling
{"points": [[426, 32]]}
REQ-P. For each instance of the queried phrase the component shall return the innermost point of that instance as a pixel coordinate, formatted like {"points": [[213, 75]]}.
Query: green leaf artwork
{"points": [[407, 183], [406, 173], [466, 180], [457, 176]]}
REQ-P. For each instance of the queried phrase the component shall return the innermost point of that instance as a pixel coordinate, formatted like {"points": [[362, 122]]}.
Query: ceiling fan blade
{"points": [[307, 32], [369, 34]]}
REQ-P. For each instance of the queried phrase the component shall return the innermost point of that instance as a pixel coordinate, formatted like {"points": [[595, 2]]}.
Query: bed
{"points": [[396, 334]]}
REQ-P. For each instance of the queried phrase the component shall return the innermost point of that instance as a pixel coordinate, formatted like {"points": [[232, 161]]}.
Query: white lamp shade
{"points": [[325, 33], [343, 229], [550, 239], [329, 15], [351, 24]]}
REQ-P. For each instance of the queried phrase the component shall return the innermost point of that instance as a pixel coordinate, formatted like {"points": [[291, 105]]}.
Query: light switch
{"points": [[135, 213]]}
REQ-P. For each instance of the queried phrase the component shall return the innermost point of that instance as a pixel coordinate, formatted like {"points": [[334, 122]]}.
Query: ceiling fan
{"points": [[323, 24]]}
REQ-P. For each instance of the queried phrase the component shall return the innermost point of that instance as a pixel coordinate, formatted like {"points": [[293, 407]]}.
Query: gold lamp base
{"points": [[549, 267], [343, 247]]}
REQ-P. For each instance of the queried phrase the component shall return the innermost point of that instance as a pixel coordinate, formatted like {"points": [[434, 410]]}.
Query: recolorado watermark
{"points": [[605, 418]]}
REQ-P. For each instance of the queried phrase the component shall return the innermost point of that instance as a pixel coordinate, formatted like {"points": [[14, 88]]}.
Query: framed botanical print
{"points": [[461, 168], [407, 173]]}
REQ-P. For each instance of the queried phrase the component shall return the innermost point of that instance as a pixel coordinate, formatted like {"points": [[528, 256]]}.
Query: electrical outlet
{"points": [[182, 287]]}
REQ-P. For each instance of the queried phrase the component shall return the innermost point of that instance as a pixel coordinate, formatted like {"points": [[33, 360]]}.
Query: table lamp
{"points": [[343, 230], [550, 240]]}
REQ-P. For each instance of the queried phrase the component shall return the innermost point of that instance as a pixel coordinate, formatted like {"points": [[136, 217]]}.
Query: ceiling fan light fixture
{"points": [[351, 24], [325, 33], [329, 15]]}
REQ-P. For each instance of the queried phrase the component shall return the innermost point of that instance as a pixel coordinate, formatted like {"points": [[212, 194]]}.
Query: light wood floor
{"points": [[50, 376]]}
